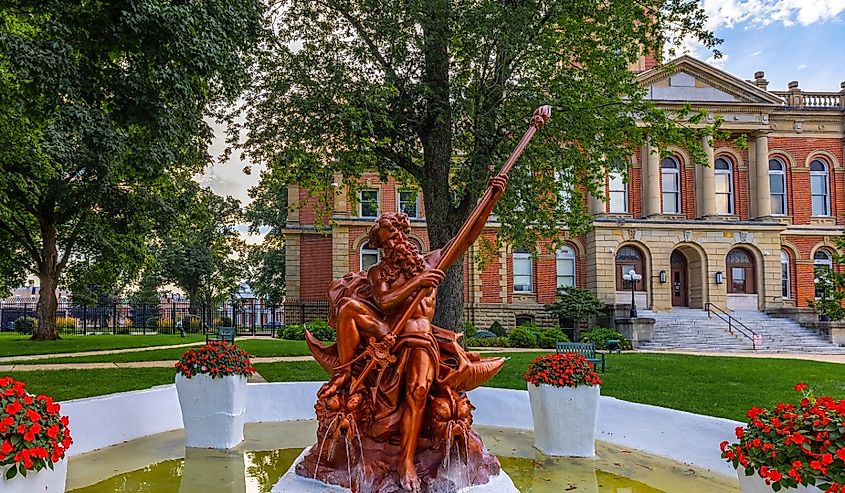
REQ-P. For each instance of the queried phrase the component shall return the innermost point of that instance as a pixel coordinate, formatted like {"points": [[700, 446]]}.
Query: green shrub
{"points": [[320, 329], [224, 321], [66, 323], [293, 332], [191, 323], [600, 335], [497, 329], [548, 338], [488, 342], [469, 329], [484, 334], [523, 336], [26, 325]]}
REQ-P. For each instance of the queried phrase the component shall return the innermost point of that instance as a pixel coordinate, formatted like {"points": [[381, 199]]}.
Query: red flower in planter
{"points": [[792, 444], [561, 370], [217, 358], [33, 435]]}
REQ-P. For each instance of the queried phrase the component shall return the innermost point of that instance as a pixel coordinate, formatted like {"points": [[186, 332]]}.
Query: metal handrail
{"points": [[733, 323]]}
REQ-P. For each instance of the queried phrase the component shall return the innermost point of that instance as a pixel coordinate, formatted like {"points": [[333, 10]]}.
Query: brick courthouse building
{"points": [[745, 233]]}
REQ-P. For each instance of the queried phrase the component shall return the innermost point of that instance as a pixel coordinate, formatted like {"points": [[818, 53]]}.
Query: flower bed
{"points": [[793, 445], [564, 393], [33, 434], [217, 359]]}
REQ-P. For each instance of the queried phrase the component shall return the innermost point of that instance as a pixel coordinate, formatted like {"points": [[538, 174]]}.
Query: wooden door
{"points": [[678, 280]]}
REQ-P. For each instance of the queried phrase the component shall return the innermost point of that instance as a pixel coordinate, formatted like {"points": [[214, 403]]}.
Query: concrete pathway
{"points": [[828, 358]]}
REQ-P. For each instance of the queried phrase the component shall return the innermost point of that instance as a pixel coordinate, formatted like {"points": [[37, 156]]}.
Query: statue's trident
{"points": [[379, 352]]}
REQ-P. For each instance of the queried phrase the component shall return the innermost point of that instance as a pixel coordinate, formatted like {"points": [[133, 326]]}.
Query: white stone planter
{"points": [[565, 419], [213, 410], [43, 481], [756, 484]]}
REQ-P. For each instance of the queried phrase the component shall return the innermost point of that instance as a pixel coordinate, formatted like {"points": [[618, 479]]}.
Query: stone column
{"points": [[764, 193], [652, 172], [708, 180], [293, 199]]}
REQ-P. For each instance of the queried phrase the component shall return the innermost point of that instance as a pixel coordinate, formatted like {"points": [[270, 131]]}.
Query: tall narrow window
{"points": [[369, 256], [368, 203], [671, 181], [724, 186], [565, 259], [565, 190], [820, 188], [409, 202], [821, 260], [522, 272], [618, 192], [777, 186], [784, 275]]}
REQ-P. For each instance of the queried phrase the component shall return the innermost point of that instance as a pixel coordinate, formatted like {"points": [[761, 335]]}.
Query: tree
{"points": [[439, 91], [101, 108], [203, 252], [268, 211], [575, 304], [831, 284]]}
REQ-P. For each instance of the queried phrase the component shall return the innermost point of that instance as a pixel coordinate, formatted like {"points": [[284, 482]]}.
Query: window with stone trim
{"points": [[617, 191], [409, 203], [368, 203], [523, 272], [369, 256], [671, 183], [785, 288], [822, 259], [820, 187], [565, 265], [777, 186], [723, 170]]}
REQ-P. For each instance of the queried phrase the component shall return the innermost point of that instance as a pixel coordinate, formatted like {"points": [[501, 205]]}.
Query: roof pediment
{"points": [[687, 79]]}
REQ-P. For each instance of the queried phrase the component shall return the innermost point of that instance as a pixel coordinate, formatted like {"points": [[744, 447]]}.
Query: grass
{"points": [[715, 386], [76, 384], [255, 347], [21, 345]]}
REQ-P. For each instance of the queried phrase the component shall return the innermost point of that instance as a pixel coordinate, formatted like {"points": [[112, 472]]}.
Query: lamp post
{"points": [[633, 278]]}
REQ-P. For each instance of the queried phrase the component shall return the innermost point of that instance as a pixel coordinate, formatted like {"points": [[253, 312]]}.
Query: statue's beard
{"points": [[402, 260]]}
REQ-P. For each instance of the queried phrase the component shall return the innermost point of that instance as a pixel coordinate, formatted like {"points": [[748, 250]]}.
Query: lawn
{"points": [[75, 384], [715, 386], [255, 347], [21, 345]]}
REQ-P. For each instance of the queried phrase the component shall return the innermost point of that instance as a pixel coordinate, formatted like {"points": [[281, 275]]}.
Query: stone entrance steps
{"points": [[691, 329]]}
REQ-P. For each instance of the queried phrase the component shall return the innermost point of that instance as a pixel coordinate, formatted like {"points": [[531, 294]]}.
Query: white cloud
{"points": [[801, 66], [728, 13], [756, 54]]}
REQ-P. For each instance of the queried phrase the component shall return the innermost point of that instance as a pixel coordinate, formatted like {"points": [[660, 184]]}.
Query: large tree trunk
{"points": [[48, 276]]}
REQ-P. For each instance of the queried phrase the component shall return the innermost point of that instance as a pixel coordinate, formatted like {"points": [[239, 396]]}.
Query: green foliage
{"points": [[484, 334], [523, 336], [293, 332], [26, 325], [600, 336], [103, 109], [832, 283], [548, 339], [318, 328], [401, 91], [576, 304], [488, 342], [224, 321], [66, 323], [191, 323], [497, 329], [469, 330], [268, 213]]}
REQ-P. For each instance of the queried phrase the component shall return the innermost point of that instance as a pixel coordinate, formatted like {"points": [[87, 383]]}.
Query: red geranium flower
{"points": [[561, 370], [217, 358]]}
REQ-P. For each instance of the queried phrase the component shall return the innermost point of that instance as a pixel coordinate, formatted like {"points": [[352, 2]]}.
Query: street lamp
{"points": [[633, 278]]}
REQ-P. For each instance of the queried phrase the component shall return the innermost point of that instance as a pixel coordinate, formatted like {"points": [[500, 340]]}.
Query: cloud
{"points": [[728, 13], [801, 67], [756, 54]]}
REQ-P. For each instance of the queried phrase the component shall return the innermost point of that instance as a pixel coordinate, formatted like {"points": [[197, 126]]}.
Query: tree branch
{"points": [[74, 237], [24, 238]]}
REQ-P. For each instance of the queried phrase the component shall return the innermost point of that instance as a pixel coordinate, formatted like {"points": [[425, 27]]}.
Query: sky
{"points": [[789, 40]]}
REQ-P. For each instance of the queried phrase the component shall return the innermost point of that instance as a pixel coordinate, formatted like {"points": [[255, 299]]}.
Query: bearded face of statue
{"points": [[399, 256]]}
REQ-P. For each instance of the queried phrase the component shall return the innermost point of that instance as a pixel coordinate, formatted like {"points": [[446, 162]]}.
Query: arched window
{"points": [[822, 259], [784, 275], [617, 192], [724, 186], [777, 186], [740, 266], [629, 258], [820, 188], [565, 260], [671, 182], [369, 256], [522, 271]]}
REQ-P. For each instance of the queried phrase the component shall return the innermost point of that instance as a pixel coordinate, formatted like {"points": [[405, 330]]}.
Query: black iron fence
{"points": [[172, 317]]}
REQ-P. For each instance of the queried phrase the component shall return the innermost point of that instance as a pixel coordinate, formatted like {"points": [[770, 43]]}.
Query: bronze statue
{"points": [[395, 416]]}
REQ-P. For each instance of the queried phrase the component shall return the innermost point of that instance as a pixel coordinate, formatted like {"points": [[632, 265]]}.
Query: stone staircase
{"points": [[691, 329]]}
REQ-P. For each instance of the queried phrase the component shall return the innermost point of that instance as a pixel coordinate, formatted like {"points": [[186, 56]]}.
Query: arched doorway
{"points": [[741, 275], [679, 279], [628, 258]]}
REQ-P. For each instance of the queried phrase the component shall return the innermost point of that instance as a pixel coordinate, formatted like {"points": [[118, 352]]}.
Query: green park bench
{"points": [[223, 334], [585, 349]]}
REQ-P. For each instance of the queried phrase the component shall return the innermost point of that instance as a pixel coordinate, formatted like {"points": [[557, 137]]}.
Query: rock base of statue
{"points": [[292, 482]]}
